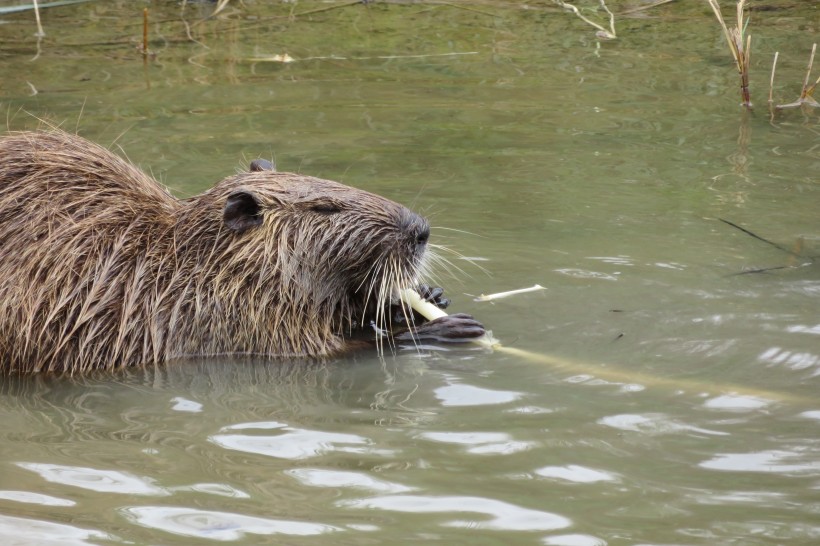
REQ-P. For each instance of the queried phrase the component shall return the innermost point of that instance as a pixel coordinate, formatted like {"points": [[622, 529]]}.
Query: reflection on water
{"points": [[776, 461], [502, 516], [221, 526], [575, 473], [317, 477], [681, 407], [102, 481], [293, 443], [15, 530]]}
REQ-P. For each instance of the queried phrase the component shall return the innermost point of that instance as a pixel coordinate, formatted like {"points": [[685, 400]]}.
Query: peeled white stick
{"points": [[499, 295], [431, 312], [610, 373]]}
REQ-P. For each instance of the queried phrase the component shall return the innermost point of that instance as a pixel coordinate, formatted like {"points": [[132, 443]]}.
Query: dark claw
{"points": [[458, 328], [434, 295]]}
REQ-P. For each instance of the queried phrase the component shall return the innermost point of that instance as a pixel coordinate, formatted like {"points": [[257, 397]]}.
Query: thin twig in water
{"points": [[759, 238], [602, 32], [765, 269]]}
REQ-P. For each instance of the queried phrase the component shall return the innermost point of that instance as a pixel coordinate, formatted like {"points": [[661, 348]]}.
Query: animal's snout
{"points": [[416, 227], [422, 234]]}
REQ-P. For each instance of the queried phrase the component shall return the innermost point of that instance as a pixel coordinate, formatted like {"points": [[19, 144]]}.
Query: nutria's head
{"points": [[311, 252]]}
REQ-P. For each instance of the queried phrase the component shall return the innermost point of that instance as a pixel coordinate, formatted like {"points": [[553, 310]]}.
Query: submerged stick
{"points": [[40, 32], [609, 373], [759, 238]]}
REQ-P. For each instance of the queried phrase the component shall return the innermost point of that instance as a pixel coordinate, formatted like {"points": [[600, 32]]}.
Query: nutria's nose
{"points": [[416, 227], [423, 234]]}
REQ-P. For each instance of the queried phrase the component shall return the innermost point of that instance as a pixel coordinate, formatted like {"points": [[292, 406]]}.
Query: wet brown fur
{"points": [[101, 267]]}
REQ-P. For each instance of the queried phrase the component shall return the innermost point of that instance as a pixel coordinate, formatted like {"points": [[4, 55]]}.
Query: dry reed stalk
{"points": [[807, 92], [771, 79], [740, 47], [602, 32], [145, 33]]}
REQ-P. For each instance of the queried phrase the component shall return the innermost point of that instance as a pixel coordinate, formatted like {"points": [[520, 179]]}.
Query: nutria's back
{"points": [[101, 267]]}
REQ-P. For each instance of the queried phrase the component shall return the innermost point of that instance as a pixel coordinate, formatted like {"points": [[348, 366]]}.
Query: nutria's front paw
{"points": [[402, 313], [457, 328], [434, 295]]}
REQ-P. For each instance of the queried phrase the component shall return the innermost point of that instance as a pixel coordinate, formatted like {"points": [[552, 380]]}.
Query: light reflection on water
{"points": [[221, 526], [596, 170], [502, 516]]}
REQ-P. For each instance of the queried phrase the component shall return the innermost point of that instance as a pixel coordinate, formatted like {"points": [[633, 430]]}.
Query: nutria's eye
{"points": [[326, 208]]}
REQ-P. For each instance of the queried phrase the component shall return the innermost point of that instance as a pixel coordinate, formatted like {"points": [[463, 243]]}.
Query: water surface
{"points": [[676, 402]]}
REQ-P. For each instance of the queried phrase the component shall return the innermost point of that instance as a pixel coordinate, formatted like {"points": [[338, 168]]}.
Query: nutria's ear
{"points": [[241, 211], [262, 165]]}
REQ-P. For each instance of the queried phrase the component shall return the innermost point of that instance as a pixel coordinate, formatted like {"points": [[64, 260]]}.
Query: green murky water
{"points": [[678, 403]]}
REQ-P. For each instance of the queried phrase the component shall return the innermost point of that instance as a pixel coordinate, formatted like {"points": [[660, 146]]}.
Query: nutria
{"points": [[101, 267]]}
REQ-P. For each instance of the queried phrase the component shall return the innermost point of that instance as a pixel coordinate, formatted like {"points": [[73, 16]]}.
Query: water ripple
{"points": [[576, 473], [803, 329], [214, 525], [480, 443], [790, 359], [574, 540], [652, 423], [736, 402], [220, 489], [35, 498], [503, 516], [23, 531], [585, 274], [292, 443], [467, 395], [316, 477], [183, 404], [102, 481], [773, 461]]}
